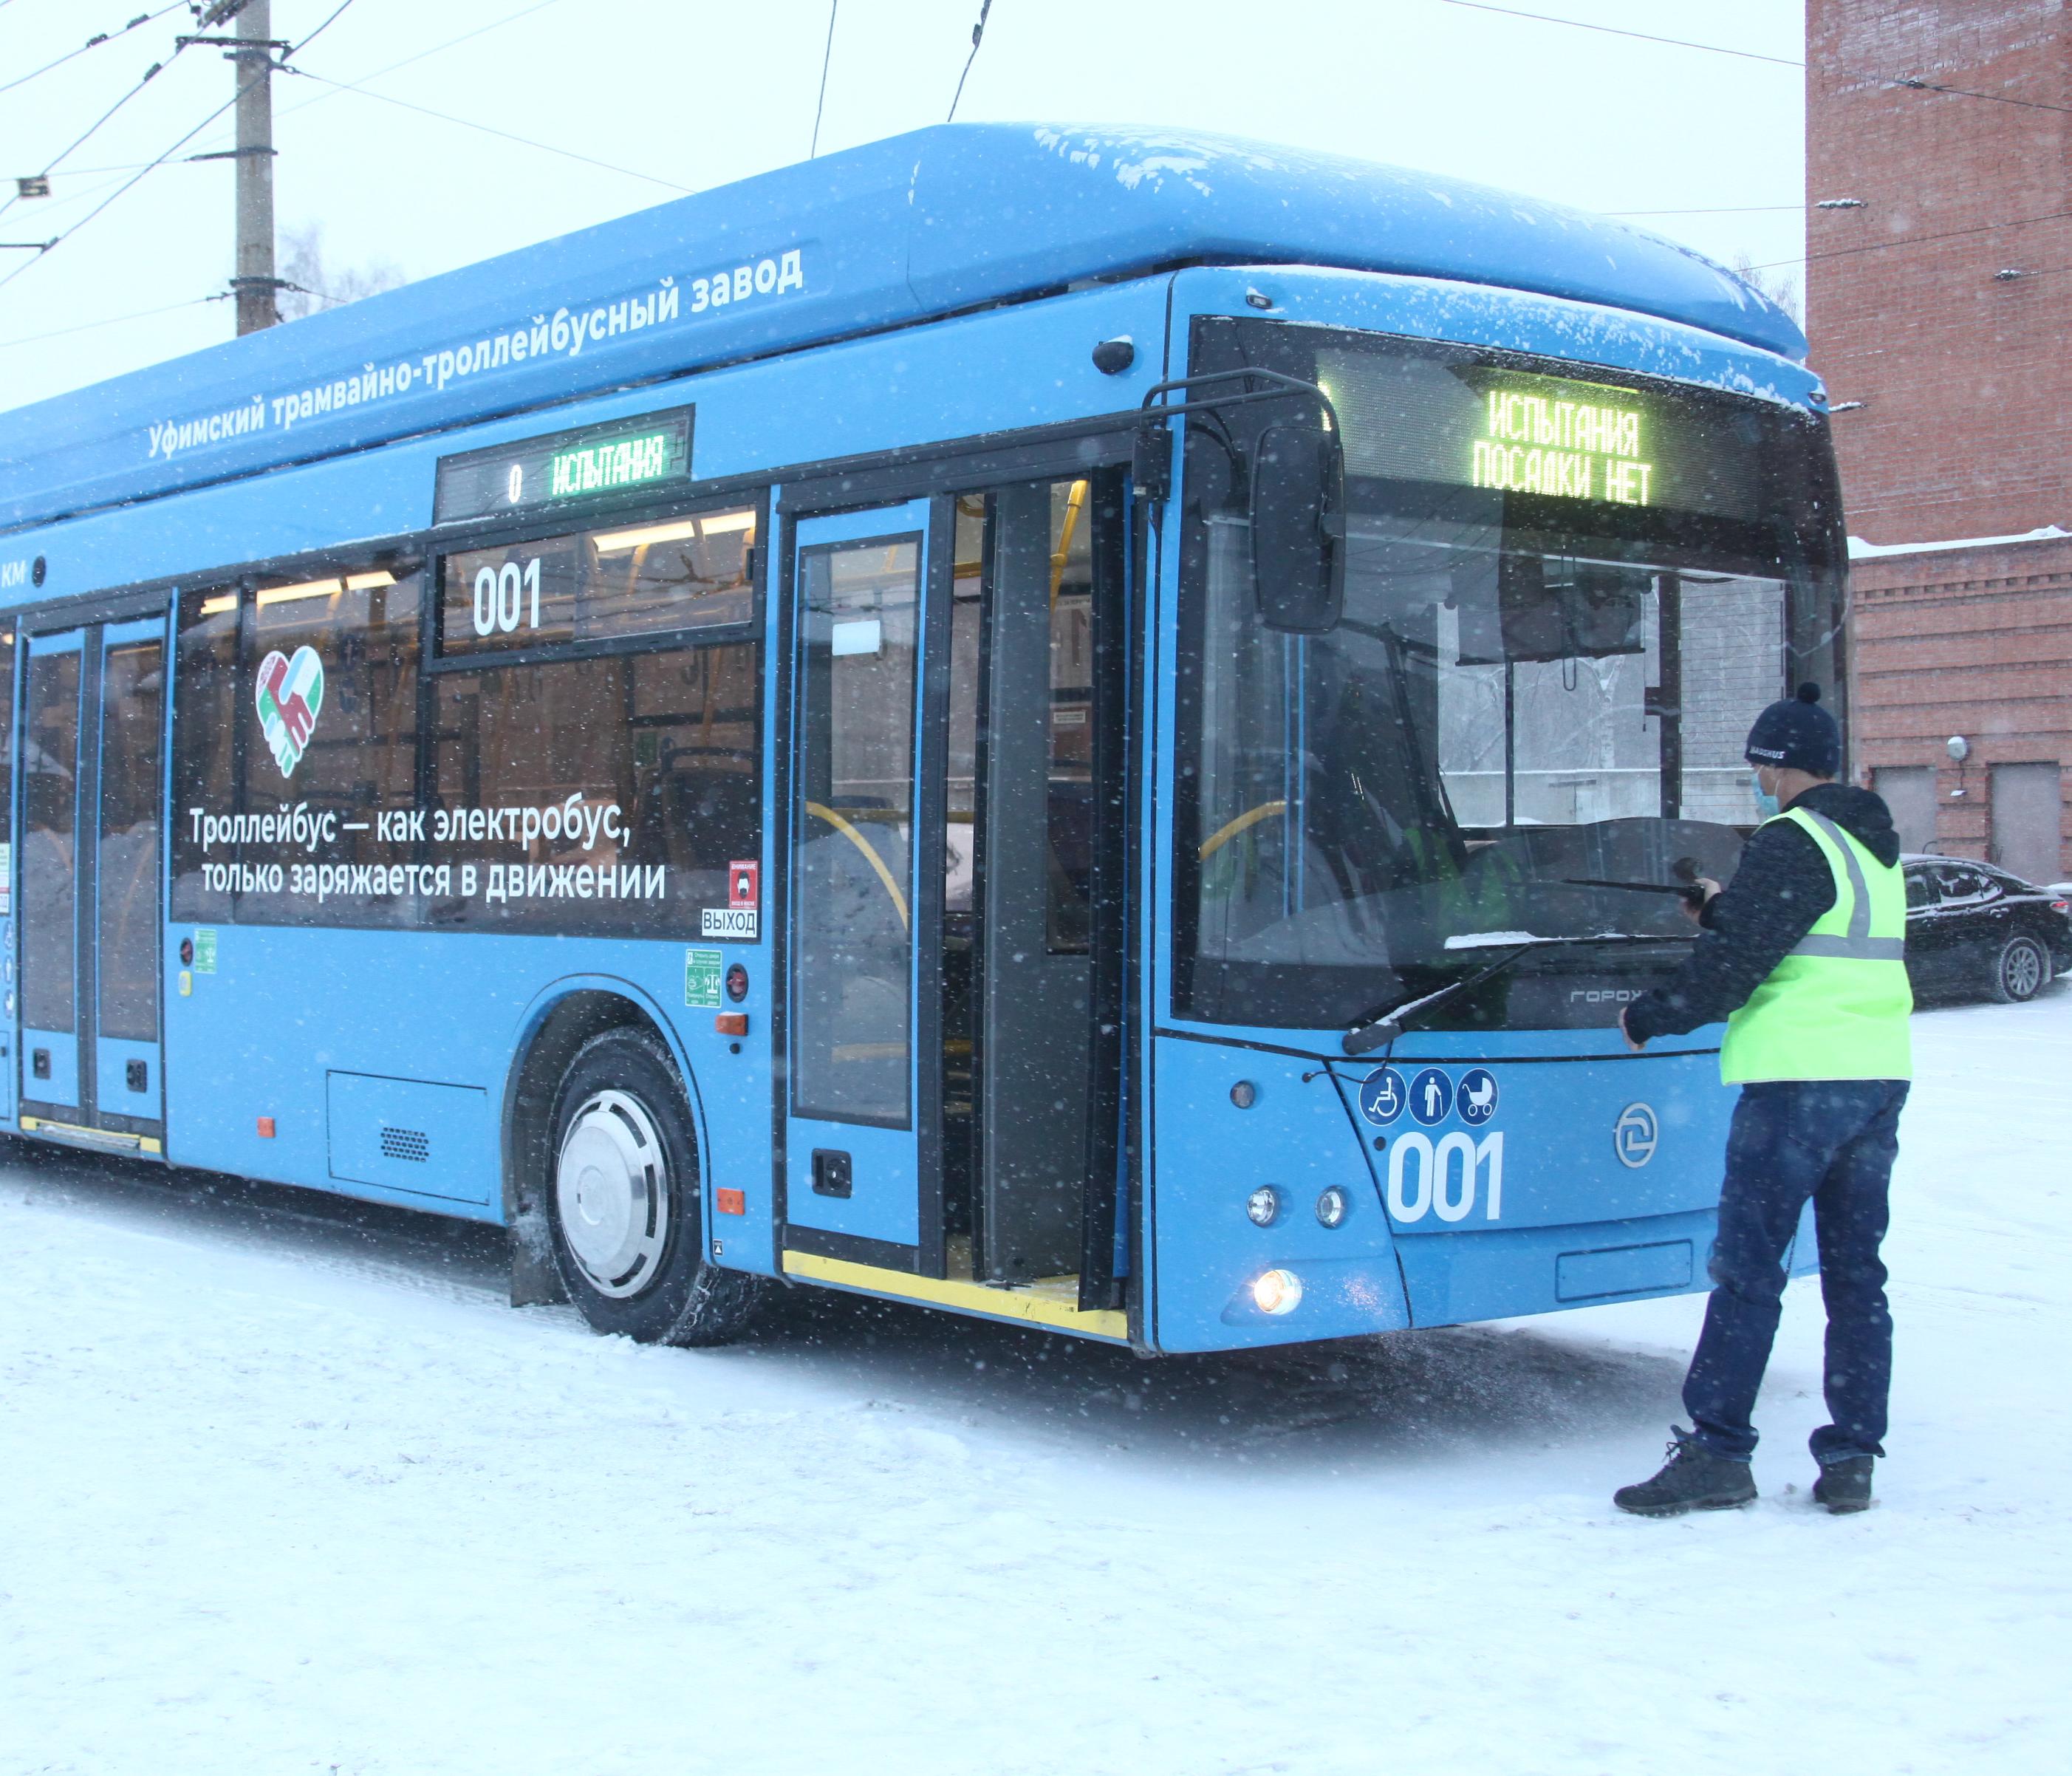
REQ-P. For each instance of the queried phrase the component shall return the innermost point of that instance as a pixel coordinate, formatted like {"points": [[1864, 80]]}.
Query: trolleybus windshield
{"points": [[1566, 593]]}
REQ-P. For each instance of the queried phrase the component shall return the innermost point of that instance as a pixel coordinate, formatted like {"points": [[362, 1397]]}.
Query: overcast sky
{"points": [[685, 94]]}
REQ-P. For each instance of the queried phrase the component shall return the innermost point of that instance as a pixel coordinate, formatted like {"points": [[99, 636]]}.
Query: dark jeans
{"points": [[1834, 1141]]}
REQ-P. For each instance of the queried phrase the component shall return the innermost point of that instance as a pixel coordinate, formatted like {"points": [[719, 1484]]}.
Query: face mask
{"points": [[1766, 804]]}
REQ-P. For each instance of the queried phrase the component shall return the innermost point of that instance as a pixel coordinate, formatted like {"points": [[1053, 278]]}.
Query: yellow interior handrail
{"points": [[1074, 500], [1252, 816], [870, 851]]}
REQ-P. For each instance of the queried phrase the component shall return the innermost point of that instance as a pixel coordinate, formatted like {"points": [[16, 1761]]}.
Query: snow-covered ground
{"points": [[287, 1487]]}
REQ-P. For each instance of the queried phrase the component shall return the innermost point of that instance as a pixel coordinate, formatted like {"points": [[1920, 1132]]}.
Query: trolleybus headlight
{"points": [[1277, 1291], [1263, 1205], [1331, 1206]]}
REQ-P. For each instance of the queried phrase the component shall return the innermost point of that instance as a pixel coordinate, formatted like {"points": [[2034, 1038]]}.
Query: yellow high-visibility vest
{"points": [[1837, 1007]]}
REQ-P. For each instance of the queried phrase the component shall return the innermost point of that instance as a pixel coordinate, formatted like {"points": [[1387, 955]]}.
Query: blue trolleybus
{"points": [[1087, 728]]}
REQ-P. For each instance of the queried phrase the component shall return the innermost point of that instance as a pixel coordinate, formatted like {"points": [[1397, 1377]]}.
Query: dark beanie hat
{"points": [[1798, 735]]}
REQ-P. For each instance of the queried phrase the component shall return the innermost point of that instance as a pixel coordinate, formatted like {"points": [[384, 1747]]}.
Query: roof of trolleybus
{"points": [[943, 220]]}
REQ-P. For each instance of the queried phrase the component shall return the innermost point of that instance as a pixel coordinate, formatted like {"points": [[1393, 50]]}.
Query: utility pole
{"points": [[255, 287], [251, 53]]}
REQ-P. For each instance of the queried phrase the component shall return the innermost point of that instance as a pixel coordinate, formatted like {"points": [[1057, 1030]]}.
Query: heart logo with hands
{"points": [[290, 696]]}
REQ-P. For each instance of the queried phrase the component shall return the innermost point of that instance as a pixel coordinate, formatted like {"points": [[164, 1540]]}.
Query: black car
{"points": [[1973, 930]]}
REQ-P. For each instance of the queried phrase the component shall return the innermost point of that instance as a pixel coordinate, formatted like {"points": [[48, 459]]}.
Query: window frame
{"points": [[1948, 895], [924, 539], [505, 535], [425, 552], [1203, 990]]}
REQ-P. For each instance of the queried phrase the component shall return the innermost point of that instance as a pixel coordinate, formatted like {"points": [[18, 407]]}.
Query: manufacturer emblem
{"points": [[290, 696], [1634, 1136]]}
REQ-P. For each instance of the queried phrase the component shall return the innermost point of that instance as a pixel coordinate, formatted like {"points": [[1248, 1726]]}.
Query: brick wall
{"points": [[1964, 378], [1975, 642]]}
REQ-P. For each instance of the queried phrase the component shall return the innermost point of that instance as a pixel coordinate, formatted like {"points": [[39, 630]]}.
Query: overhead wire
{"points": [[142, 173], [1615, 30], [1908, 82], [1730, 209], [978, 34], [1920, 240], [390, 67], [152, 166], [303, 42], [436, 49], [113, 320], [469, 123], [150, 75], [93, 42], [827, 56]]}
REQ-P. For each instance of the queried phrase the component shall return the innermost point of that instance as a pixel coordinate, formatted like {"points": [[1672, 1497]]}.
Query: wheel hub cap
{"points": [[2023, 971], [611, 1185]]}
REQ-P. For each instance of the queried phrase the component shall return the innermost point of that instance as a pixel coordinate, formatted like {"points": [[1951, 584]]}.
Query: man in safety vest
{"points": [[1804, 957]]}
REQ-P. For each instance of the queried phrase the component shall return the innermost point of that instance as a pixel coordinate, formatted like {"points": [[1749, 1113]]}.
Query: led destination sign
{"points": [[1571, 447], [1540, 440], [597, 468], [565, 466]]}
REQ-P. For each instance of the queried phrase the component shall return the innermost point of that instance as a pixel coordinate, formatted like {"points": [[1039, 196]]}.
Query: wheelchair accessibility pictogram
{"points": [[1381, 1097]]}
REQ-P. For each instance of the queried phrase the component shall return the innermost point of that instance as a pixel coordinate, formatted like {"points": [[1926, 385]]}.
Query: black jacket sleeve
{"points": [[1782, 885]]}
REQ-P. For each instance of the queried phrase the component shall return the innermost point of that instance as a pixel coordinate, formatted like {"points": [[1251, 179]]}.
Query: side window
{"points": [[311, 686], [206, 708], [332, 671], [1920, 890], [695, 572], [604, 795], [7, 769], [1960, 886], [1072, 715], [606, 792]]}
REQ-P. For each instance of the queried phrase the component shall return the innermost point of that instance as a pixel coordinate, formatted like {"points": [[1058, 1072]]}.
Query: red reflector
{"points": [[2061, 906], [731, 1023], [265, 1128], [731, 1202]]}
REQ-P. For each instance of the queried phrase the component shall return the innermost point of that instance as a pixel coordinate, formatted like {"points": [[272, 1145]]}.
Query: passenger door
{"points": [[1034, 824], [10, 663], [863, 1115], [90, 740]]}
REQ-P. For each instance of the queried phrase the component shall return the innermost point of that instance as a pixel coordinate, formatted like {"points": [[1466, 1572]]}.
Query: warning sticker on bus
{"points": [[702, 972]]}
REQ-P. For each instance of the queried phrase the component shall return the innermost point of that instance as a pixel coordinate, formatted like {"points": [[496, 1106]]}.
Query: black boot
{"points": [[1693, 1478], [1844, 1486]]}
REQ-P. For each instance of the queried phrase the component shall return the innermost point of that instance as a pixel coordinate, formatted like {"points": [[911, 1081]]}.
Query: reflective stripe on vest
{"points": [[1857, 941], [1836, 1007]]}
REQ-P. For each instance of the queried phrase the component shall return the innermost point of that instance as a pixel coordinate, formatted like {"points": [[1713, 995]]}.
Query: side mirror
{"points": [[1298, 484]]}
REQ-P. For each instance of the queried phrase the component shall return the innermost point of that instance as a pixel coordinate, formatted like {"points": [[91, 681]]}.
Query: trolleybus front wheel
{"points": [[623, 1201]]}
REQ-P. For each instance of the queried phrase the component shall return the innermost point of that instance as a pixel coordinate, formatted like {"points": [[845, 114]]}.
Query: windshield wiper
{"points": [[1385, 1023], [1688, 892]]}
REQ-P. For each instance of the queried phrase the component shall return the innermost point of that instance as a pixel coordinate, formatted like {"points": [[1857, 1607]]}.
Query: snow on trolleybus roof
{"points": [[945, 219]]}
